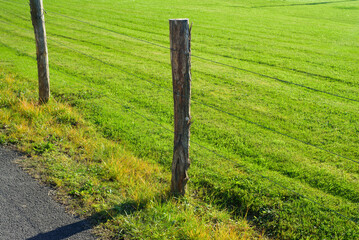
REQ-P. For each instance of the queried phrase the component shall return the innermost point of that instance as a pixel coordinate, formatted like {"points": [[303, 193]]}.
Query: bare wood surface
{"points": [[38, 21], [180, 37]]}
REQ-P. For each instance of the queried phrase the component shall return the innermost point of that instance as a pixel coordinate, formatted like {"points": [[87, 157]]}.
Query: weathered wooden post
{"points": [[38, 21], [180, 41]]}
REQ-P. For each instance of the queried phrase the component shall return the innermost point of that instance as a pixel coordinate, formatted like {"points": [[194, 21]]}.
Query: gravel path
{"points": [[27, 211]]}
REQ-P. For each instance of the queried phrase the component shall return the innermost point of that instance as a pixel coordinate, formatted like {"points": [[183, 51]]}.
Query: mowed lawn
{"points": [[275, 90]]}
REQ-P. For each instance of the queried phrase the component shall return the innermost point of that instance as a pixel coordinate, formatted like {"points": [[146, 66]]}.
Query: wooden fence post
{"points": [[180, 41], [38, 21]]}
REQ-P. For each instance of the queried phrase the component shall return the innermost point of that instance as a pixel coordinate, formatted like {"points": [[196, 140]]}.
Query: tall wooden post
{"points": [[38, 21], [180, 40]]}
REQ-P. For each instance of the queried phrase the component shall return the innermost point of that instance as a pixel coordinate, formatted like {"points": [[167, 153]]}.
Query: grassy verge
{"points": [[272, 43], [123, 196]]}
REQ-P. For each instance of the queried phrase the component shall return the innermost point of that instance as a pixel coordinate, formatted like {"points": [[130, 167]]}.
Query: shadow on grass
{"points": [[126, 208]]}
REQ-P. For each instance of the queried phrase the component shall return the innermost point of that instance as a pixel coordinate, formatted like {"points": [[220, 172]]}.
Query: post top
{"points": [[179, 19]]}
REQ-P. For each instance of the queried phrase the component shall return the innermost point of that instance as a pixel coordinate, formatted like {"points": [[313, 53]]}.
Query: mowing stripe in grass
{"points": [[277, 79], [218, 109], [213, 107], [214, 152], [291, 69], [216, 62], [222, 156], [304, 4]]}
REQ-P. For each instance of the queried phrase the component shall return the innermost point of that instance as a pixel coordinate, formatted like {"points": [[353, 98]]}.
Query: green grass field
{"points": [[305, 42]]}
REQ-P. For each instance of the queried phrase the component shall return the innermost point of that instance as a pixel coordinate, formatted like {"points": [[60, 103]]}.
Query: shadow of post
{"points": [[64, 232], [126, 208]]}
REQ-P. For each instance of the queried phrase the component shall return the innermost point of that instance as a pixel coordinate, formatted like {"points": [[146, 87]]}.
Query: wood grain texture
{"points": [[180, 38], [38, 21]]}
